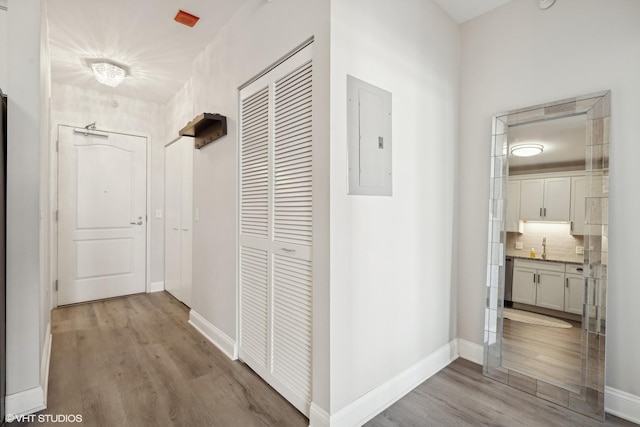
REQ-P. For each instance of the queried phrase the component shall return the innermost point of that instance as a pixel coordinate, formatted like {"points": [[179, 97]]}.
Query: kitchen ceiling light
{"points": [[526, 150], [545, 4], [108, 74]]}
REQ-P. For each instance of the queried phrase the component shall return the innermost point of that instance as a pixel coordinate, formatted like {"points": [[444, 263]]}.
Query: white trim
{"points": [[377, 400], [318, 417], [622, 404], [148, 216], [471, 351], [218, 338], [25, 402], [46, 362], [156, 287]]}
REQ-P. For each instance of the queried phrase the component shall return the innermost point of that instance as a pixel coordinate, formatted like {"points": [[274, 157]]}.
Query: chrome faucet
{"points": [[544, 247]]}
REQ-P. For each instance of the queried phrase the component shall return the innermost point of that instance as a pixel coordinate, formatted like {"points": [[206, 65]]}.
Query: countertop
{"points": [[544, 260]]}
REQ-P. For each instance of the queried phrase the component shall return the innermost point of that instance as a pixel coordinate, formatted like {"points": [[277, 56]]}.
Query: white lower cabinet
{"points": [[574, 289], [539, 283]]}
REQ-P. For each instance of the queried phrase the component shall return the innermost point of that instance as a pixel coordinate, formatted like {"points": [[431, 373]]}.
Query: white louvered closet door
{"points": [[276, 227]]}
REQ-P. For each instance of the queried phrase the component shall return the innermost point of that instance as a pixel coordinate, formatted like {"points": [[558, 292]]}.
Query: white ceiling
{"points": [[564, 142], [143, 35], [464, 10], [139, 33]]}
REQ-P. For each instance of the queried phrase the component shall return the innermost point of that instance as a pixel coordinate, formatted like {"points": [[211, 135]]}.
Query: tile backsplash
{"points": [[561, 246]]}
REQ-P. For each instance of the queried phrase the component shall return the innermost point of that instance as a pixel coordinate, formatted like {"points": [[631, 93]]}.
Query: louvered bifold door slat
{"points": [[254, 307], [292, 157], [291, 340], [292, 227], [254, 215], [275, 227], [254, 230]]}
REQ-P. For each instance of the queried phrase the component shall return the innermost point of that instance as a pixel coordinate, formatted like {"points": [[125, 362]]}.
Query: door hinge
{"points": [[56, 284], [57, 145], [56, 215]]}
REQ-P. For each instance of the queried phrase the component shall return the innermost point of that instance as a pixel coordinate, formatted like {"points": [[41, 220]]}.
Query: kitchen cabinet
{"points": [[545, 199], [574, 289], [539, 283], [578, 194], [513, 207]]}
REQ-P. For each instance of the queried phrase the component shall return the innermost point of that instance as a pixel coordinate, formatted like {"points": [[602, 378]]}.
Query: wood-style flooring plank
{"points": [[460, 395], [135, 361]]}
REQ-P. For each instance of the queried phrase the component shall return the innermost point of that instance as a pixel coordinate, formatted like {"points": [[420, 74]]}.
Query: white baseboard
{"points": [[377, 400], [156, 287], [471, 351], [45, 362], [25, 402], [318, 417], [218, 338], [622, 404]]}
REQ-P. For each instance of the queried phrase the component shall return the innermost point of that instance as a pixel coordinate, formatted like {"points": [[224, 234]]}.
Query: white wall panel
{"points": [[230, 60], [586, 46], [391, 257]]}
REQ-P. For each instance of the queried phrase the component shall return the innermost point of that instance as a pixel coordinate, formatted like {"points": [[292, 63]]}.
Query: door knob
{"points": [[137, 223]]}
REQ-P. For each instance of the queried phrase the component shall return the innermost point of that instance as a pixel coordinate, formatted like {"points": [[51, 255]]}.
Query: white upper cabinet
{"points": [[513, 206], [557, 198], [545, 199], [531, 199], [578, 192]]}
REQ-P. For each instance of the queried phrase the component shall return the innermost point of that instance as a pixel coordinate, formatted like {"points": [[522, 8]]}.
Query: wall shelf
{"points": [[205, 128]]}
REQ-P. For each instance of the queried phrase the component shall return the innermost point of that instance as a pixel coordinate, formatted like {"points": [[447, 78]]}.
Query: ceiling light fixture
{"points": [[108, 73], [545, 4], [526, 150]]}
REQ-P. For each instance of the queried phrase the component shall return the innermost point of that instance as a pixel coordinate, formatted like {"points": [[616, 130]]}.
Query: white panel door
{"points": [[101, 215], [276, 227], [178, 219]]}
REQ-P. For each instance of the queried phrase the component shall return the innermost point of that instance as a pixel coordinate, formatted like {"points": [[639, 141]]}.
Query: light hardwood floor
{"points": [[551, 354], [134, 361], [460, 395]]}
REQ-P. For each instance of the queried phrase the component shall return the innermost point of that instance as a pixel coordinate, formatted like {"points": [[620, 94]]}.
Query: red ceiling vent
{"points": [[186, 18]]}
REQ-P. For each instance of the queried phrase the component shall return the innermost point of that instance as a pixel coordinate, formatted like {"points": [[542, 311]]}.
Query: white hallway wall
{"points": [[391, 257], [27, 227], [517, 56], [3, 46], [256, 36]]}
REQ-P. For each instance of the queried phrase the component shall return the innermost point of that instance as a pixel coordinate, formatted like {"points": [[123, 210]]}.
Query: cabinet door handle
{"points": [[540, 212], [567, 282], [534, 277], [579, 269]]}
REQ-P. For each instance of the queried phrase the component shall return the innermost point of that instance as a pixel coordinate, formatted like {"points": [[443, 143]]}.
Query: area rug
{"points": [[534, 318]]}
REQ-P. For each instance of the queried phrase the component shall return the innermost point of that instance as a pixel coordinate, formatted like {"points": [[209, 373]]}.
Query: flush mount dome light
{"points": [[545, 4], [108, 73], [526, 150]]}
